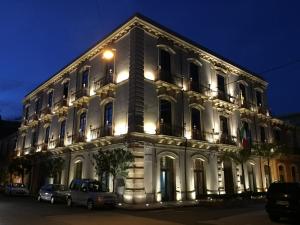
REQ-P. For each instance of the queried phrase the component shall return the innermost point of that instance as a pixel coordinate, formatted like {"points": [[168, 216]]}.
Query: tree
{"points": [[120, 161], [19, 166], [54, 166], [115, 162], [102, 164], [239, 157]]}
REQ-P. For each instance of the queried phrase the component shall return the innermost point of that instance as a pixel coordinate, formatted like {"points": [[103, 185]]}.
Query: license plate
{"points": [[283, 203]]}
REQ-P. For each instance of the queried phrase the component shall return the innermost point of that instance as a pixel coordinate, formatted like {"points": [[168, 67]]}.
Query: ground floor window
{"points": [[199, 178], [78, 170], [281, 173]]}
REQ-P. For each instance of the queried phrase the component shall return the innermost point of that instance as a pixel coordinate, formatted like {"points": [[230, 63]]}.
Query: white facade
{"points": [[174, 160]]}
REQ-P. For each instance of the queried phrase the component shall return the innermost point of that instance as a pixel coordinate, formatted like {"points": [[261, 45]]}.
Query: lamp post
{"points": [[108, 55]]}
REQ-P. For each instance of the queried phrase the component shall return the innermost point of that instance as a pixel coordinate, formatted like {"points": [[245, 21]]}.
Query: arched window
{"points": [[62, 132], [47, 133], [165, 117], [281, 173], [221, 87], [85, 79], [243, 94], [167, 178], [78, 170]]}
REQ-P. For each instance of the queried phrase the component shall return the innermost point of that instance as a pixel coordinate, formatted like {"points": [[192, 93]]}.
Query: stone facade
{"points": [[174, 104]]}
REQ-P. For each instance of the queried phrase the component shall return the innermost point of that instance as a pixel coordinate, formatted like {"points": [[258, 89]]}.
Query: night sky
{"points": [[40, 37]]}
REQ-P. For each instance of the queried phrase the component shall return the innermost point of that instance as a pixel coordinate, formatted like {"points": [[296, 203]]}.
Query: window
{"points": [[23, 142], [37, 106], [47, 133], [258, 98], [262, 134], [65, 90], [82, 123], [277, 135], [196, 124], [281, 174], [224, 125], [165, 116], [78, 170], [221, 84], [50, 98], [194, 75], [248, 130], [33, 139], [85, 79], [165, 112], [108, 112], [62, 130], [243, 93], [165, 64], [109, 69], [293, 171], [26, 112]]}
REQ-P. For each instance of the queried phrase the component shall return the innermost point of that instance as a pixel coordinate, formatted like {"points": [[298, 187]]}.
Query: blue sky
{"points": [[40, 37]]}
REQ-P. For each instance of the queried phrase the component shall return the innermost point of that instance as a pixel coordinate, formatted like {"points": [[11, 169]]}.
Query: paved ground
{"points": [[26, 211]]}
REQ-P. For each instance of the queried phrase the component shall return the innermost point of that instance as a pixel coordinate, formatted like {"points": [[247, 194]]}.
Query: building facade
{"points": [[174, 104]]}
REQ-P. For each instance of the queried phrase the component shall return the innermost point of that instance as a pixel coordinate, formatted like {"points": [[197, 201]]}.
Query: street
{"points": [[27, 211]]}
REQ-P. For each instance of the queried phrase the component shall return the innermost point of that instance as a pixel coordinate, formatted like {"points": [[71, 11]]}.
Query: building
{"points": [[175, 104], [8, 140]]}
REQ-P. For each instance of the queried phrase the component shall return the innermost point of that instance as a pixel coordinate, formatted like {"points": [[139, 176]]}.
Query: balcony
{"points": [[105, 87], [169, 129], [56, 143], [81, 93], [101, 132], [77, 138], [165, 76], [227, 139], [199, 88], [42, 147], [223, 96], [80, 97], [262, 110], [61, 107], [197, 134], [46, 114]]}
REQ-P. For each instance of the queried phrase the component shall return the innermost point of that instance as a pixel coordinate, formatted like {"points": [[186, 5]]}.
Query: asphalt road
{"points": [[27, 211]]}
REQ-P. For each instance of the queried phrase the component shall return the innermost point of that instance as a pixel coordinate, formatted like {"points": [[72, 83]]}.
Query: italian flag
{"points": [[243, 137]]}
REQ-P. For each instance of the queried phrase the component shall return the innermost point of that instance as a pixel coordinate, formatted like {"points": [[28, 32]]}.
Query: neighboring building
{"points": [[176, 105], [8, 140]]}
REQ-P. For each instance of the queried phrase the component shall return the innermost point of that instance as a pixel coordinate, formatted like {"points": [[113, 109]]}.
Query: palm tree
{"points": [[239, 157]]}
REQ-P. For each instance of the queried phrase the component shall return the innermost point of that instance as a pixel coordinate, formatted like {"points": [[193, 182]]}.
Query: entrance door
{"points": [[251, 178], [228, 176], [167, 183], [199, 178]]}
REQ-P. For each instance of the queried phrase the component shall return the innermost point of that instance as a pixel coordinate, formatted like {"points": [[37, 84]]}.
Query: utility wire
{"points": [[280, 66]]}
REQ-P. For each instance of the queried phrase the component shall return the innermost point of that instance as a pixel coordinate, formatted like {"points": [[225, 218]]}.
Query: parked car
{"points": [[283, 200], [53, 193], [16, 189], [89, 193], [2, 188]]}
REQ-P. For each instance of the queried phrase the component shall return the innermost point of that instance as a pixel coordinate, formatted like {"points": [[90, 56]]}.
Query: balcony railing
{"points": [[77, 138], [101, 132], [223, 96], [262, 110], [197, 134], [227, 139], [108, 79], [59, 142], [46, 111], [33, 117], [81, 93], [196, 87], [165, 76], [169, 129], [61, 103], [42, 147]]}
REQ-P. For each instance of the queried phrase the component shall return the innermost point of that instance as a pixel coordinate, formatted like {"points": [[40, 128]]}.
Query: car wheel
{"points": [[274, 218], [39, 198], [90, 204], [52, 200], [69, 202]]}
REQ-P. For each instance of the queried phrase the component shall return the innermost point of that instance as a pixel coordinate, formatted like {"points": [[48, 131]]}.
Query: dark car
{"points": [[89, 193], [53, 193], [16, 189], [283, 200], [2, 188]]}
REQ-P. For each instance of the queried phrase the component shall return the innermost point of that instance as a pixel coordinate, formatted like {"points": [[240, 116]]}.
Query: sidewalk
{"points": [[192, 203]]}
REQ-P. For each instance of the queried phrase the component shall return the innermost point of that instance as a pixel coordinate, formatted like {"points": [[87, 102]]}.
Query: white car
{"points": [[16, 189]]}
